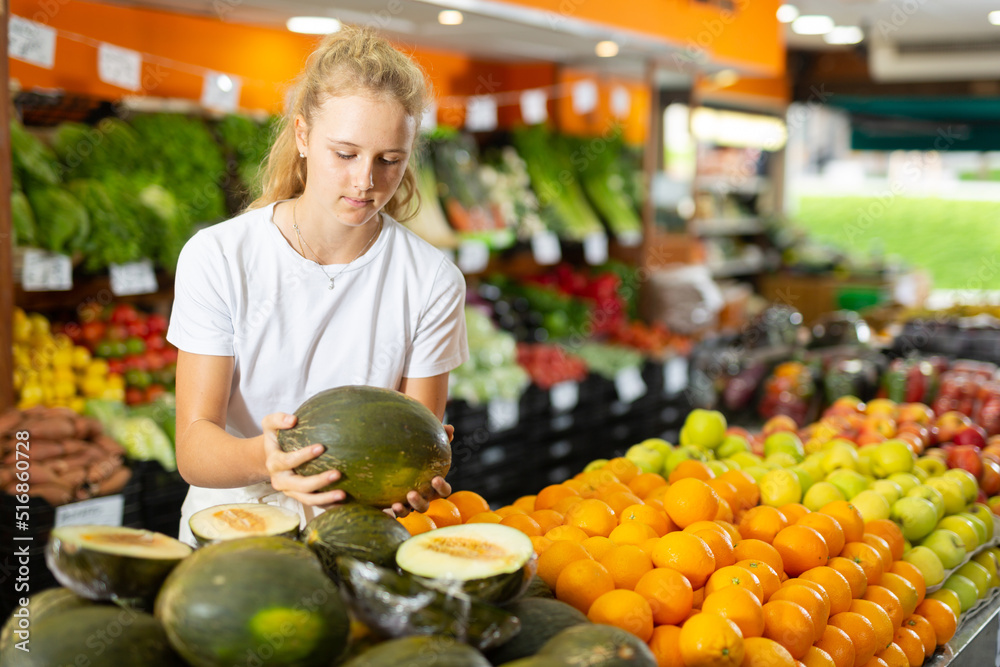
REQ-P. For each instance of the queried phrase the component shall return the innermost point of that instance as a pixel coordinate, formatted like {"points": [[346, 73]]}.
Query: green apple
{"points": [[890, 457], [872, 505], [757, 472], [596, 464], [732, 444], [718, 467], [646, 458], [746, 459], [837, 442], [931, 494], [906, 480], [682, 453], [704, 428], [967, 592], [781, 460], [951, 492], [948, 546], [732, 464], [982, 533], [842, 454], [813, 464], [983, 513], [932, 466], [993, 502], [962, 527], [784, 441], [988, 559], [659, 444], [928, 563], [780, 487], [805, 479], [820, 494], [889, 489], [977, 574], [949, 597], [970, 485], [907, 545], [865, 461], [850, 482], [915, 516]]}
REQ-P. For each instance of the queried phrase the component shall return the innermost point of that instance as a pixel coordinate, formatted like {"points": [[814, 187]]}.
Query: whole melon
{"points": [[360, 531], [541, 620], [426, 651], [383, 442]]}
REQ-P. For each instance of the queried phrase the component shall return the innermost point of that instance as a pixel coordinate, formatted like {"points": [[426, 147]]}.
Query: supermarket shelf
{"points": [[91, 289], [727, 227], [975, 643]]}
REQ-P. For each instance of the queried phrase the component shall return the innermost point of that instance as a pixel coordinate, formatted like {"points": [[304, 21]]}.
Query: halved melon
{"points": [[112, 562], [235, 520], [488, 561]]}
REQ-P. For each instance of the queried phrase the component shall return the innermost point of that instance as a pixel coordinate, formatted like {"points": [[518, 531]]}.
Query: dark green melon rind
{"points": [[41, 605], [536, 661], [496, 589], [597, 645], [200, 541], [537, 588], [355, 530], [262, 600], [541, 620], [383, 442], [97, 635], [428, 651]]}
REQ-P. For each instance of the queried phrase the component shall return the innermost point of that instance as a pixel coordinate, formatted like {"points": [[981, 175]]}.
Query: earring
{"points": [[302, 154]]}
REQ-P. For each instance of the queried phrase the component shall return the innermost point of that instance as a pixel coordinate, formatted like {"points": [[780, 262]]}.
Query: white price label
{"points": [[621, 102], [46, 271], [534, 107], [481, 113], [502, 414], [545, 248], [564, 396], [221, 91], [119, 67], [630, 385], [133, 278], [106, 511], [31, 42], [429, 119], [675, 376], [584, 96], [473, 256], [595, 248], [630, 239]]}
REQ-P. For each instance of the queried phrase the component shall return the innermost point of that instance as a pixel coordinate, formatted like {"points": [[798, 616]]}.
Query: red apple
{"points": [[949, 424], [965, 457], [884, 425], [779, 423], [989, 479], [994, 504], [866, 438], [913, 441], [973, 435], [915, 412]]}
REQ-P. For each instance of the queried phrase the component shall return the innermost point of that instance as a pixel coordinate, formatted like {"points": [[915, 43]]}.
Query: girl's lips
{"points": [[357, 202]]}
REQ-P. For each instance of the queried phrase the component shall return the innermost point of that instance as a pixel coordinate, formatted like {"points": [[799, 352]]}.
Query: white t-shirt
{"points": [[242, 291]]}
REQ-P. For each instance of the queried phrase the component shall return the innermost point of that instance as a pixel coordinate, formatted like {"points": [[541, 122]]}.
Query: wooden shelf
{"points": [[91, 289]]}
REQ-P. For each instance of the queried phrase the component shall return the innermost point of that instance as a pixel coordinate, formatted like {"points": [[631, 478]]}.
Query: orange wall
{"points": [[764, 93]]}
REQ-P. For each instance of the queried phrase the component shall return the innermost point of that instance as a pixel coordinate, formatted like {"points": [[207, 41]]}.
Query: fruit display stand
{"points": [[977, 641]]}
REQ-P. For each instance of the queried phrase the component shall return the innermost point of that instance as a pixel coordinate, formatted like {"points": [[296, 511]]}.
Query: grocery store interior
{"points": [[732, 279]]}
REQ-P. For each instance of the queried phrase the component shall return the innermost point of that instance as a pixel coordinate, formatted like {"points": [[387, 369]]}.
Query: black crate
{"points": [[466, 419], [534, 402], [163, 493]]}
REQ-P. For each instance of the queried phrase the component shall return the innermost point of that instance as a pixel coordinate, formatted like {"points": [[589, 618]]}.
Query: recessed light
{"points": [[606, 49], [994, 18], [313, 25], [844, 34], [450, 17], [812, 24], [787, 13], [224, 83]]}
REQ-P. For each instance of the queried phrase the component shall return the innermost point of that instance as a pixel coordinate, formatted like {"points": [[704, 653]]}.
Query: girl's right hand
{"points": [[281, 466]]}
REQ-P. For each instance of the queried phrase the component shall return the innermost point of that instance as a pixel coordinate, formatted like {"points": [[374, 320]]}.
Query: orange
{"points": [[881, 546], [666, 646], [657, 495], [817, 657], [902, 589], [875, 661], [562, 505], [649, 545], [523, 523], [838, 645], [886, 599], [849, 518], [551, 494], [853, 572], [720, 544], [754, 549], [691, 500], [880, 621], [443, 512], [688, 554], [556, 557], [547, 519], [789, 624], [577, 485], [746, 486], [669, 594], [827, 526], [862, 634], [802, 548], [595, 478], [524, 503], [725, 512], [924, 630], [581, 582], [793, 512], [734, 575], [592, 516], [624, 609], [764, 652], [949, 597], [697, 599], [740, 606], [891, 533], [540, 543], [610, 488], [816, 604], [623, 469], [597, 546], [571, 533], [507, 510], [894, 656], [470, 503], [691, 468], [644, 484], [626, 563], [731, 530], [417, 523], [632, 533], [768, 578], [835, 585], [762, 523], [909, 641], [941, 617], [727, 491], [485, 517], [652, 517], [912, 574], [867, 557], [709, 640]]}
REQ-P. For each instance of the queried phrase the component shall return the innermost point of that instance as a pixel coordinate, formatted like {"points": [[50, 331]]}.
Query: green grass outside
{"points": [[957, 242]]}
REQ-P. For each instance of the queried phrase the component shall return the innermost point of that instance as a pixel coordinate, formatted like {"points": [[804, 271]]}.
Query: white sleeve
{"points": [[440, 344], [201, 321]]}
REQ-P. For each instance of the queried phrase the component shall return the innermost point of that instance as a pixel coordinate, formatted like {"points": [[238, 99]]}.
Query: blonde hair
{"points": [[353, 60]]}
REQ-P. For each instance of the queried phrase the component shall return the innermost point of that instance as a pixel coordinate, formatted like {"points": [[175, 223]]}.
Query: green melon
{"points": [[112, 562], [426, 651], [40, 606], [596, 645], [383, 442], [537, 588], [541, 620], [259, 600], [355, 530], [235, 520]]}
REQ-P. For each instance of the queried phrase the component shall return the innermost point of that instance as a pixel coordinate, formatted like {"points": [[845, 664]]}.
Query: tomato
{"points": [[153, 392], [123, 313], [92, 332], [155, 341], [157, 323], [154, 360], [134, 396], [137, 328]]}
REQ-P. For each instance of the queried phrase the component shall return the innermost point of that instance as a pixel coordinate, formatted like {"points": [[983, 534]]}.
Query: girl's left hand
{"points": [[439, 489]]}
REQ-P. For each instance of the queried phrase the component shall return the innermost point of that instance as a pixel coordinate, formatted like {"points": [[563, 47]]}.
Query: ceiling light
{"points": [[725, 78], [224, 83], [812, 24], [450, 17], [844, 34], [313, 25], [994, 18], [787, 13], [606, 49]]}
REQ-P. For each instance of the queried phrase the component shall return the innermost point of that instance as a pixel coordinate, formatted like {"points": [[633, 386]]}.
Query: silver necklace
{"points": [[319, 263]]}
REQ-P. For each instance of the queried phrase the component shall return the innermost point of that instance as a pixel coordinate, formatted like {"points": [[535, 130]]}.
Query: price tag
{"points": [[119, 67], [481, 113], [595, 248], [545, 248], [629, 385], [429, 119], [502, 414], [221, 91], [46, 271], [106, 511], [621, 102], [31, 42], [564, 396], [675, 376], [473, 256], [534, 108], [584, 96], [630, 239], [133, 278]]}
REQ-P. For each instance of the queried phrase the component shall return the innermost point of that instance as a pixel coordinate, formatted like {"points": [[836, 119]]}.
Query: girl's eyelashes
{"points": [[388, 161], [347, 156], [344, 156]]}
